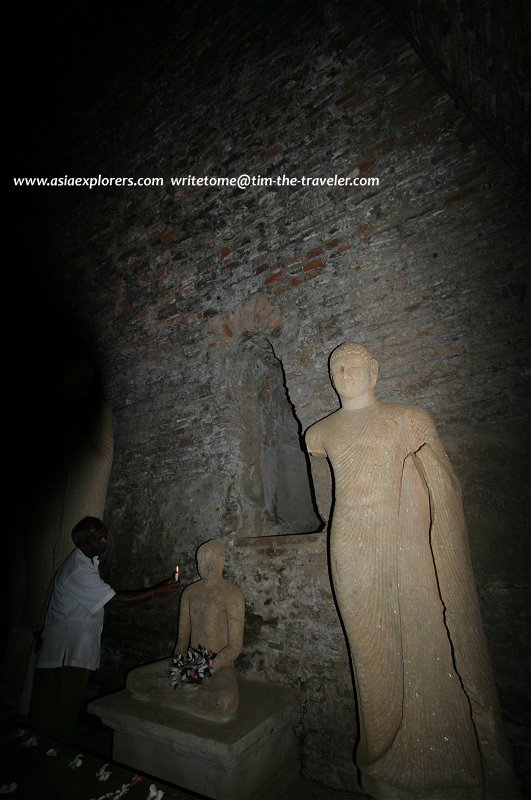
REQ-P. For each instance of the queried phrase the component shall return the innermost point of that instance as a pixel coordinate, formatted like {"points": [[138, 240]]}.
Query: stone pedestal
{"points": [[252, 757]]}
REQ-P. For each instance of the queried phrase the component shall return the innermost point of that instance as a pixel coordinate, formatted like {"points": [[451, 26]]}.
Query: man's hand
{"points": [[165, 588]]}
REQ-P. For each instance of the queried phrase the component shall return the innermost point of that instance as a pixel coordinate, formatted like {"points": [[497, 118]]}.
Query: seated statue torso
{"points": [[211, 615]]}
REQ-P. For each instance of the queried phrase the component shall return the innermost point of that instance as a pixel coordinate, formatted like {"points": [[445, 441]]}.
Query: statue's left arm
{"points": [[455, 578], [235, 622], [429, 449], [449, 539]]}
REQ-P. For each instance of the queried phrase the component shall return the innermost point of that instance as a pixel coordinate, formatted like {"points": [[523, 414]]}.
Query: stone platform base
{"points": [[252, 757]]}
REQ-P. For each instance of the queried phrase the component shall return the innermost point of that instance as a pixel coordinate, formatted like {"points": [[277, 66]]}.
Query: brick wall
{"points": [[481, 52]]}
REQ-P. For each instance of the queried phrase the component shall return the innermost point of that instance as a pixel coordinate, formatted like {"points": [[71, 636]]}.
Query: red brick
{"points": [[312, 274], [317, 142], [274, 278], [316, 264], [162, 273], [364, 166], [461, 195], [272, 152], [170, 235], [346, 99], [315, 252]]}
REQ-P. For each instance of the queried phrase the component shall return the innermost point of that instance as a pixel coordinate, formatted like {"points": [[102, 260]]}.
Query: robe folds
{"points": [[429, 719]]}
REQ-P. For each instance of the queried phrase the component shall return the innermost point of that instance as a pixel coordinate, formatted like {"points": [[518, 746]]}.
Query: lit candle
{"points": [[176, 576]]}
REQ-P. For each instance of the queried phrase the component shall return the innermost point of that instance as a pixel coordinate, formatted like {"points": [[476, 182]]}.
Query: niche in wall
{"points": [[274, 484]]}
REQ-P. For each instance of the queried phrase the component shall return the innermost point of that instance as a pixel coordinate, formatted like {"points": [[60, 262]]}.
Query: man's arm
{"points": [[133, 598]]}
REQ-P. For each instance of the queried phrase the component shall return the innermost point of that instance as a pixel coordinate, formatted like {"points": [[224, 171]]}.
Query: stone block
{"points": [[249, 758]]}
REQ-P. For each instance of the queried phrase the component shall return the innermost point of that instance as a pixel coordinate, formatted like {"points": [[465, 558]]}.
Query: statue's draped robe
{"points": [[428, 711]]}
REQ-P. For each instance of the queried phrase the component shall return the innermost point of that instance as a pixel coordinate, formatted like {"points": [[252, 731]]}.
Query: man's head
{"points": [[210, 559], [353, 370], [90, 535]]}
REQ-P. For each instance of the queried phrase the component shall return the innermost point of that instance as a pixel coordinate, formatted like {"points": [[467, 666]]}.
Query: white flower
{"points": [[51, 752], [31, 742], [77, 761], [103, 774], [154, 793]]}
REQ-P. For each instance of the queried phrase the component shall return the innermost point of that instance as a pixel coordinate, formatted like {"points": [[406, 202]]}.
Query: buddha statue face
{"points": [[353, 371]]}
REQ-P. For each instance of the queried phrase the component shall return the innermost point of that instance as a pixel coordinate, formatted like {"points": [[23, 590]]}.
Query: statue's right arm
{"points": [[321, 476], [313, 441], [322, 485], [183, 639]]}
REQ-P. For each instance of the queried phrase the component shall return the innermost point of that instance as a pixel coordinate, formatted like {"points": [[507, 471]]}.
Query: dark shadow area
{"points": [[53, 399]]}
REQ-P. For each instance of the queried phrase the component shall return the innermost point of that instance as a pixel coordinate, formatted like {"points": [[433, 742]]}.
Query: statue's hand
{"points": [[190, 688]]}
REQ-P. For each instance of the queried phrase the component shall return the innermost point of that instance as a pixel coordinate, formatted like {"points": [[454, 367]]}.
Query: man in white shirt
{"points": [[71, 639]]}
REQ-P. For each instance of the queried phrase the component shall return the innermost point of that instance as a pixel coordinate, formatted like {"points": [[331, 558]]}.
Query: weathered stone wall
{"points": [[170, 288]]}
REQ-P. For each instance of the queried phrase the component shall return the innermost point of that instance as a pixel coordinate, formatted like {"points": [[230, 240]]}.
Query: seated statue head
{"points": [[210, 560]]}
